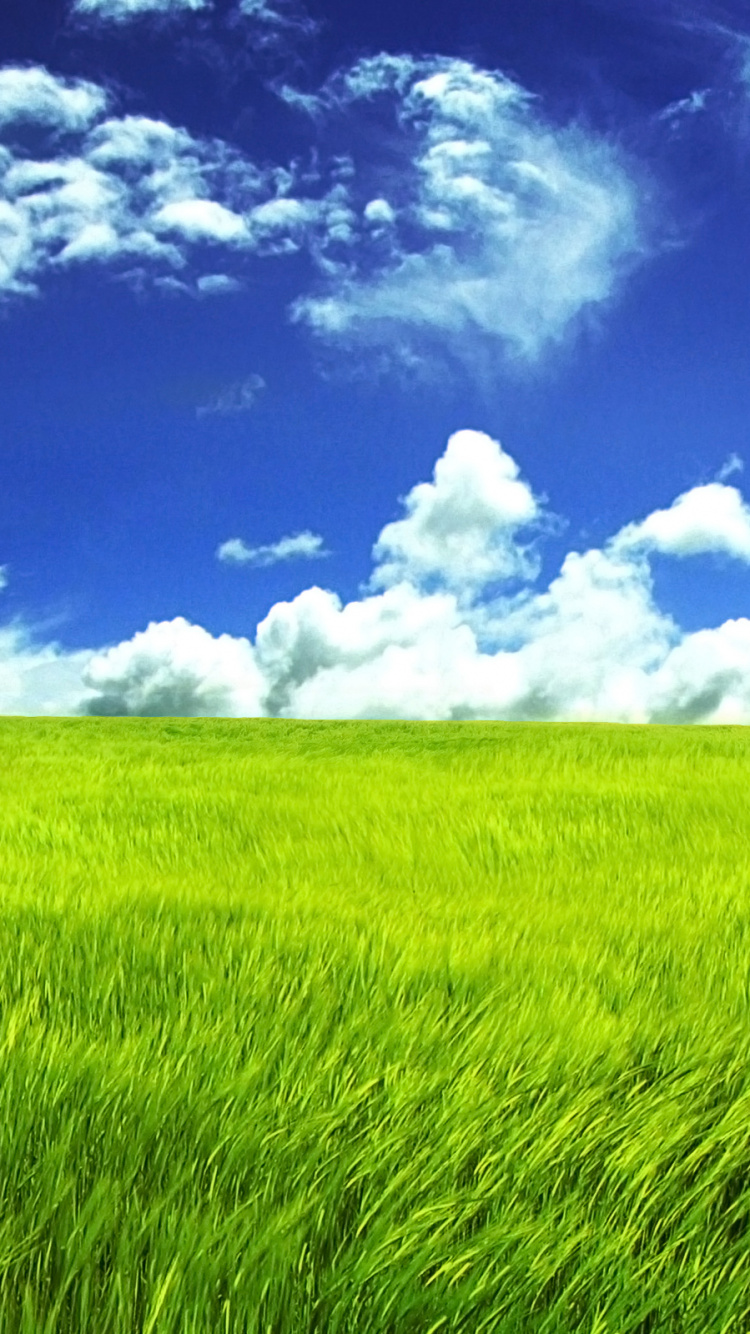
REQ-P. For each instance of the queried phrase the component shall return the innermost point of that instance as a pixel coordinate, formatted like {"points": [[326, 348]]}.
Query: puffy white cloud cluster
{"points": [[175, 669], [122, 11], [461, 528], [468, 221], [80, 186], [32, 97], [300, 546], [593, 647], [495, 224]]}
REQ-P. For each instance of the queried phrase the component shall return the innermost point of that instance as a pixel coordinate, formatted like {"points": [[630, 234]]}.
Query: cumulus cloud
{"points": [[200, 220], [711, 518], [495, 224], [35, 97], [300, 546], [145, 198], [39, 679], [706, 678], [128, 192], [461, 528], [593, 646], [324, 660], [175, 669]]}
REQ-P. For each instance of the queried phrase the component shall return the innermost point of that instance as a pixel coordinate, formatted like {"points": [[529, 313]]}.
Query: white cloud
{"points": [[593, 646], [461, 528], [282, 226], [217, 284], [496, 225], [300, 643], [259, 9], [705, 678], [300, 546], [240, 396], [712, 518], [685, 107], [33, 96], [175, 669], [380, 213], [200, 220], [124, 192], [285, 19], [469, 222], [122, 11]]}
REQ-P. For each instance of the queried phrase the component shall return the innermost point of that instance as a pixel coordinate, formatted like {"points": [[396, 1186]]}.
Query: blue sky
{"points": [[375, 361]]}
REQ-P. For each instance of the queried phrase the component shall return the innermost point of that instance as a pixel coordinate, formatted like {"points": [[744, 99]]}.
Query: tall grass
{"points": [[378, 1027]]}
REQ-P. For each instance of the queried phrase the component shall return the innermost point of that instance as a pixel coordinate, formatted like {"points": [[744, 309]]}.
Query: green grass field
{"points": [[374, 1028]]}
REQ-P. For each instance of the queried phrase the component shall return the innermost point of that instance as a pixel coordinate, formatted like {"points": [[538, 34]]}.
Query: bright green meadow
{"points": [[373, 1028]]}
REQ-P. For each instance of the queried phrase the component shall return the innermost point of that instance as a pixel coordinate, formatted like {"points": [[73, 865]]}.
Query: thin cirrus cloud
{"points": [[593, 646], [300, 546], [732, 465], [285, 17], [237, 397], [492, 229]]}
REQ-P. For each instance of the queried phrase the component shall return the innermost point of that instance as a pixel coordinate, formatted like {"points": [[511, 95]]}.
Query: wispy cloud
{"points": [[496, 225], [239, 396], [733, 464], [461, 528], [685, 107], [301, 546], [285, 19], [122, 11], [282, 20]]}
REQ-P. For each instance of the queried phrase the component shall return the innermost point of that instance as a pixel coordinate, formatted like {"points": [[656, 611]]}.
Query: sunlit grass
{"points": [[382, 1028]]}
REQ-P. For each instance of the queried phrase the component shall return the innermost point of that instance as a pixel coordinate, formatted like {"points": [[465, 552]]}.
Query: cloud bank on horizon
{"points": [[456, 633]]}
